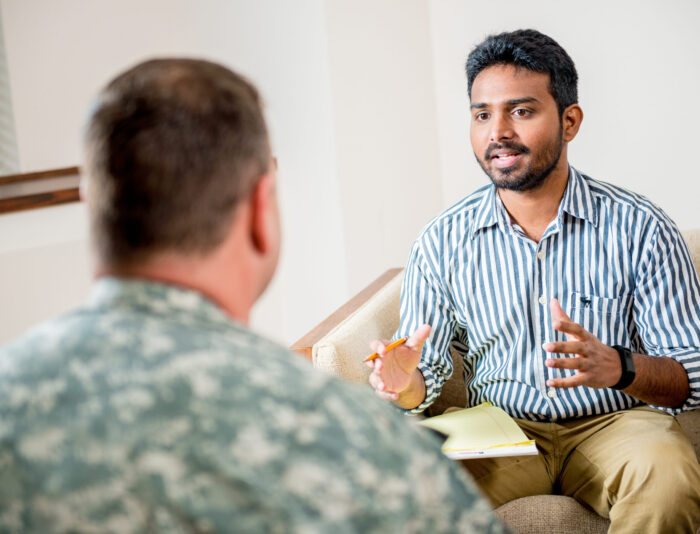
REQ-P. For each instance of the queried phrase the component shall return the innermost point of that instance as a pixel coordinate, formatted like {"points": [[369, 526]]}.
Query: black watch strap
{"points": [[627, 362]]}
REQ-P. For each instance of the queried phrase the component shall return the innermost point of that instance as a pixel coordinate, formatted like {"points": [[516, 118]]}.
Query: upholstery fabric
{"points": [[563, 516], [341, 351], [692, 239]]}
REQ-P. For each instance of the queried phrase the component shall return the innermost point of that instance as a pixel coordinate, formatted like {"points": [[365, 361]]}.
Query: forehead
{"points": [[501, 83]]}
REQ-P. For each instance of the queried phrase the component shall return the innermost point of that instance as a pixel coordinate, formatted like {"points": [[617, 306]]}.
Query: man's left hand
{"points": [[596, 364]]}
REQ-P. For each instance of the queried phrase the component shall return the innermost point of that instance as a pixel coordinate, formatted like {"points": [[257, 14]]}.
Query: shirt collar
{"points": [[156, 298], [487, 211], [578, 201]]}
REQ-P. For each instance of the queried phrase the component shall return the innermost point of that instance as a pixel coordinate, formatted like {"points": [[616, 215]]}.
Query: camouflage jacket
{"points": [[149, 410]]}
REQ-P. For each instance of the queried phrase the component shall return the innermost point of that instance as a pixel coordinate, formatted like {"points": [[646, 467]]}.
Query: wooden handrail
{"points": [[45, 194], [40, 175]]}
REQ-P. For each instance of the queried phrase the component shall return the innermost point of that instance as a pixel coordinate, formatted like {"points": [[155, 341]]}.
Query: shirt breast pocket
{"points": [[603, 317]]}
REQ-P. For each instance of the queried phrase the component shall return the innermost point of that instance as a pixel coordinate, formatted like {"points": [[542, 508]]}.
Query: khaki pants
{"points": [[636, 467]]}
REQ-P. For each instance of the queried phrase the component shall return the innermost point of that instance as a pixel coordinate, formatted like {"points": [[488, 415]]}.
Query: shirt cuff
{"points": [[433, 386]]}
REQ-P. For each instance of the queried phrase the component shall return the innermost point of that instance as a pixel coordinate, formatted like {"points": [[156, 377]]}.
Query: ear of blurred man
{"points": [[264, 229]]}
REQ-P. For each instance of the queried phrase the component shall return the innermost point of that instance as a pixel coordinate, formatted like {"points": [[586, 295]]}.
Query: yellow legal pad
{"points": [[480, 432]]}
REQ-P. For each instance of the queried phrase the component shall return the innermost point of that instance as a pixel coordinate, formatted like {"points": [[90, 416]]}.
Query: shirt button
{"points": [[542, 300], [551, 393], [540, 254]]}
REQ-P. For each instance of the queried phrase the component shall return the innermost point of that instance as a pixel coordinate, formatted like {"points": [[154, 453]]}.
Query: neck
{"points": [[220, 283], [533, 210]]}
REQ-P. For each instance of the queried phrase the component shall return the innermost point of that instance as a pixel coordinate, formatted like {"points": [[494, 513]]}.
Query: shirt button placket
{"points": [[540, 270], [540, 255]]}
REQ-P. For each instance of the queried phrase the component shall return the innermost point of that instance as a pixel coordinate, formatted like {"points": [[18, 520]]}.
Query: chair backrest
{"points": [[692, 239]]}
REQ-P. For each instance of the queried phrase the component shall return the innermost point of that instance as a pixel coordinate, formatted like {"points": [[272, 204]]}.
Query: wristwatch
{"points": [[627, 363]]}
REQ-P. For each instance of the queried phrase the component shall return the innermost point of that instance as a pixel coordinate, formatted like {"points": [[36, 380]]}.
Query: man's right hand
{"points": [[395, 375]]}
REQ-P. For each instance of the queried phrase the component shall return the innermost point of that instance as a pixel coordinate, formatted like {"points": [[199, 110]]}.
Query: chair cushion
{"points": [[553, 514]]}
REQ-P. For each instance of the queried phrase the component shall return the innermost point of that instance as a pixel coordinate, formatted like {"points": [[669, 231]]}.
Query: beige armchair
{"points": [[338, 345]]}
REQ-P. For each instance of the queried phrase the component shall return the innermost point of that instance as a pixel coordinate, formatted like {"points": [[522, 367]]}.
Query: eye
{"points": [[481, 116], [522, 112]]}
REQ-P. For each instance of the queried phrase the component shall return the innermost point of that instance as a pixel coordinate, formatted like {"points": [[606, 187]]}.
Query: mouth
{"points": [[505, 155], [506, 159]]}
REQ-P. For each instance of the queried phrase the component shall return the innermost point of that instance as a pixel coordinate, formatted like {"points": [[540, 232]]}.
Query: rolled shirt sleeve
{"points": [[667, 305], [425, 300]]}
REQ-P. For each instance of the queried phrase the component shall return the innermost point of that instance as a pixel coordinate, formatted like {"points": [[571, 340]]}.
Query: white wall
{"points": [[61, 51], [385, 129], [638, 77], [44, 268], [367, 103]]}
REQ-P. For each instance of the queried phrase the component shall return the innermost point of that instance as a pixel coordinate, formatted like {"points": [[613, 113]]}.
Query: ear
{"points": [[263, 203], [571, 121]]}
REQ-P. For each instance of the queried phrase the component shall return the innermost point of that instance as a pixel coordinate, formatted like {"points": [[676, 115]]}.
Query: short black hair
{"points": [[172, 147], [532, 50]]}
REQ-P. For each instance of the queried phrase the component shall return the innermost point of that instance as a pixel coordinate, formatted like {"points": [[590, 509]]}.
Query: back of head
{"points": [[532, 50], [172, 147]]}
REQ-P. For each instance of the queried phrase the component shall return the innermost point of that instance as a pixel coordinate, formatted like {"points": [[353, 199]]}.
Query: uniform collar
{"points": [[156, 298]]}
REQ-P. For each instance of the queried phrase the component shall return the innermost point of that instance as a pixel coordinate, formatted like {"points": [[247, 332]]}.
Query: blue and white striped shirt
{"points": [[616, 262]]}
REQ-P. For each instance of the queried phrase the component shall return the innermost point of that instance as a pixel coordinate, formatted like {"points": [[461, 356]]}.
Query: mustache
{"points": [[507, 144]]}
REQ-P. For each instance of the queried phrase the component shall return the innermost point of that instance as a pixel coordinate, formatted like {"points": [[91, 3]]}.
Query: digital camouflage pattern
{"points": [[150, 411]]}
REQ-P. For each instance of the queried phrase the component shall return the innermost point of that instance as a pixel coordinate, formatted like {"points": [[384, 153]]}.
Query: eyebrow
{"points": [[514, 102]]}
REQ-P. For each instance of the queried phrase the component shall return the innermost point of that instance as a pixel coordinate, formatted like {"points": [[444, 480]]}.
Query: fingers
{"points": [[379, 387], [565, 347], [569, 327], [386, 395], [419, 336], [557, 311], [561, 321], [568, 382], [392, 370], [376, 381], [415, 341], [378, 346], [575, 362]]}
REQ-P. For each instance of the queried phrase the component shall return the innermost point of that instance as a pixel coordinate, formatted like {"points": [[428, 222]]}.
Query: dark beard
{"points": [[533, 177]]}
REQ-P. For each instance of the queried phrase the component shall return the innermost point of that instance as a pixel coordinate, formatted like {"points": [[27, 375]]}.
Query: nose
{"points": [[501, 128]]}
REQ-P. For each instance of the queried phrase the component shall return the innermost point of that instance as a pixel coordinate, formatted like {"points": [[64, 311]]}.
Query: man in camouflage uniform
{"points": [[153, 408]]}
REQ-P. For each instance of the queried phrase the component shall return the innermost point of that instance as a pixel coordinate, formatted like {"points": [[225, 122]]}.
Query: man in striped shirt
{"points": [[573, 303]]}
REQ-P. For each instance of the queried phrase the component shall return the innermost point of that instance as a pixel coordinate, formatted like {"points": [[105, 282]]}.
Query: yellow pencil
{"points": [[391, 346]]}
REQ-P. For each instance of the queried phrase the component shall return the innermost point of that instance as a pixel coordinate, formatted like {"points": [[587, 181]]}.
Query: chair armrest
{"points": [[305, 344], [338, 345]]}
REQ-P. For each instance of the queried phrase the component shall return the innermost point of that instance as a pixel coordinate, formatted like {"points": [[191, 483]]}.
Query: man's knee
{"points": [[642, 467], [661, 468], [662, 478]]}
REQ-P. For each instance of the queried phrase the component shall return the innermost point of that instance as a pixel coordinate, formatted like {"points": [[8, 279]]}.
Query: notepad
{"points": [[483, 431]]}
